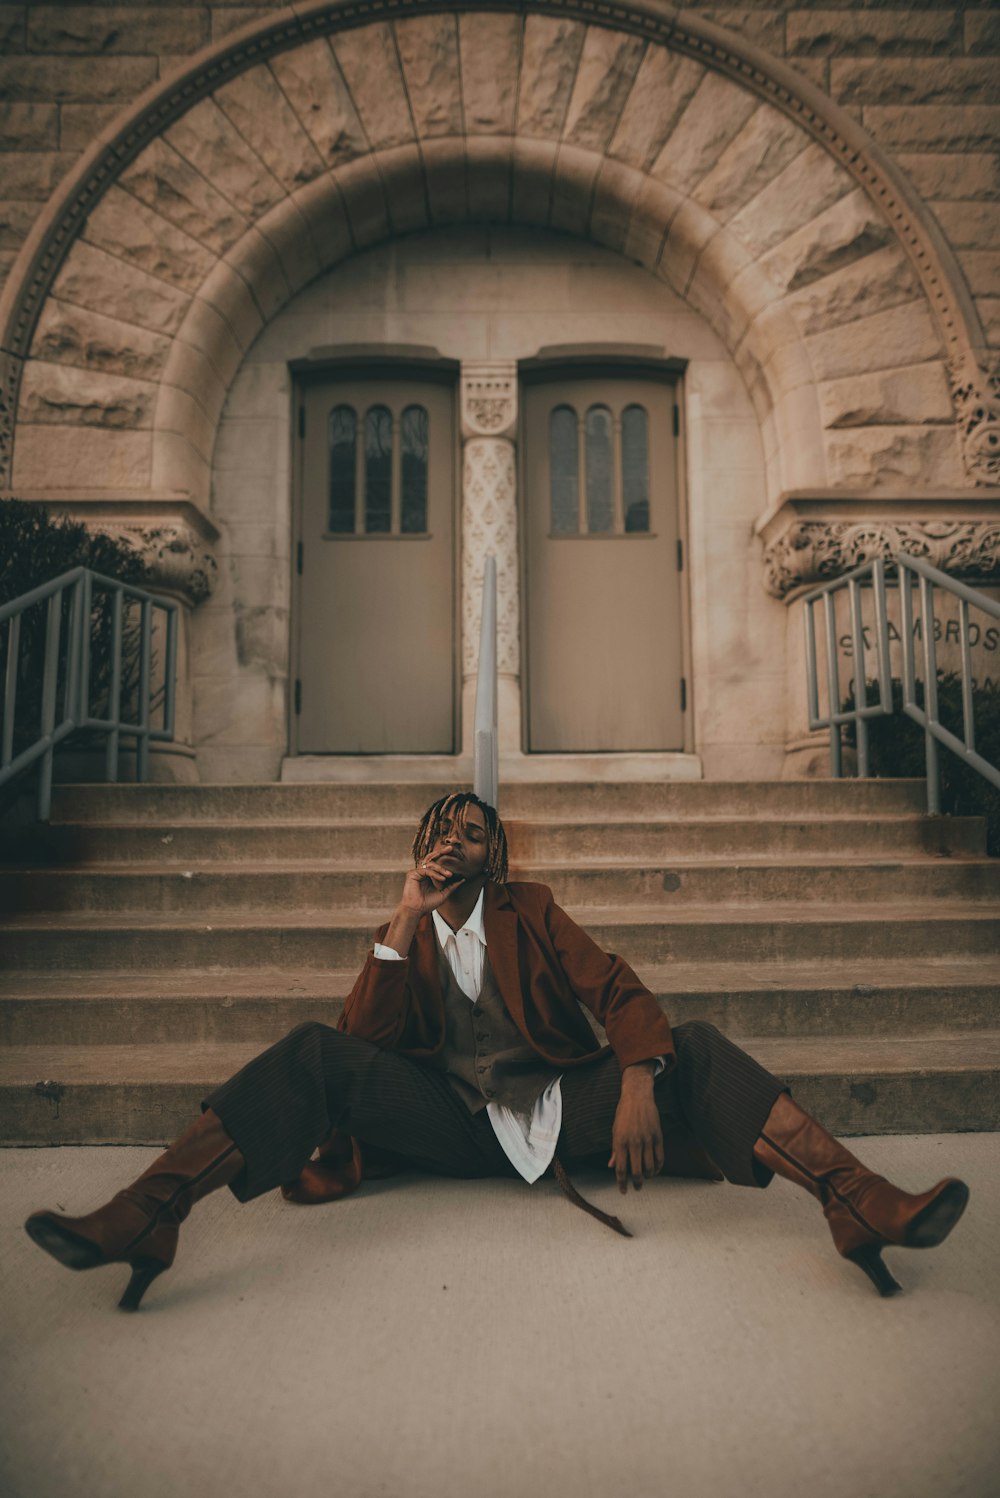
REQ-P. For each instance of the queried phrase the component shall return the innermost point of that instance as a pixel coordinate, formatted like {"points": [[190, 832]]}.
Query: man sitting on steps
{"points": [[462, 1050]]}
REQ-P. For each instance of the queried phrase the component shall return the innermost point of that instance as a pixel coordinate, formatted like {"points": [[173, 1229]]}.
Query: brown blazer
{"points": [[545, 966]]}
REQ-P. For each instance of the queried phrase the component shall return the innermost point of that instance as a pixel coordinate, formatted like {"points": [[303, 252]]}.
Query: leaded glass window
{"points": [[600, 493], [413, 438], [378, 469], [378, 475], [635, 468], [564, 463], [343, 438], [611, 446]]}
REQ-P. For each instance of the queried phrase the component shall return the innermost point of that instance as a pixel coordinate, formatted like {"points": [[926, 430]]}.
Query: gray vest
{"points": [[485, 1056]]}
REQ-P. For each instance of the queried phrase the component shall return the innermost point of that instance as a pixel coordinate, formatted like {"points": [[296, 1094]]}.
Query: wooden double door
{"points": [[377, 637]]}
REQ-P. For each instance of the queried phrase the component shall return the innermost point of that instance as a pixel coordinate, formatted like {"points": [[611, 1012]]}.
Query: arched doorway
{"points": [[717, 169]]}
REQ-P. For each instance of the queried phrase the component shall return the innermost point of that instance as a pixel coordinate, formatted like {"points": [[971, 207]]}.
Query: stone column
{"points": [[489, 524]]}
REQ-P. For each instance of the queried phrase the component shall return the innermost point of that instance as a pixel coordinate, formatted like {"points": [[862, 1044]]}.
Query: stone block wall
{"points": [[924, 81], [176, 282]]}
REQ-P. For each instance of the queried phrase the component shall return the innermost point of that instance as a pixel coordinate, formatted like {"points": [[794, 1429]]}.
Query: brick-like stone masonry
{"points": [[206, 211], [923, 81]]}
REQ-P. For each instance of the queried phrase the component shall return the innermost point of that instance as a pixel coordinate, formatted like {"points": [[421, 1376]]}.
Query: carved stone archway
{"points": [[274, 154]]}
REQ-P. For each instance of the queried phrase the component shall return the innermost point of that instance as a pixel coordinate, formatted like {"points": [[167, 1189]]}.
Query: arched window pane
{"points": [[600, 499], [378, 469], [563, 470], [413, 429], [635, 468], [343, 437]]}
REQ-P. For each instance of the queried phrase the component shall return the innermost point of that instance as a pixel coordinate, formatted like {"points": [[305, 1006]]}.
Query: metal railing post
{"points": [[53, 629], [10, 688], [115, 688], [860, 683], [882, 636], [968, 718], [486, 771], [927, 716], [78, 584], [170, 675], [146, 638], [832, 685], [87, 590], [930, 697]]}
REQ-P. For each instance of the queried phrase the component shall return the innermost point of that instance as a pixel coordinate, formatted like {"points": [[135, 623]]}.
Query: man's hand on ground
{"points": [[637, 1136]]}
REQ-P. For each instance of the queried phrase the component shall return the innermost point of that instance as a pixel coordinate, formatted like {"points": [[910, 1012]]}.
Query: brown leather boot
{"points": [[865, 1211], [139, 1225]]}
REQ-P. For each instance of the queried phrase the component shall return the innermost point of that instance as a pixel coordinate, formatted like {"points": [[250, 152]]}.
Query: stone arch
{"points": [[330, 125]]}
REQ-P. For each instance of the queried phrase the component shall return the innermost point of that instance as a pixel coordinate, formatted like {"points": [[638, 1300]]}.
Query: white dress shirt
{"points": [[528, 1139]]}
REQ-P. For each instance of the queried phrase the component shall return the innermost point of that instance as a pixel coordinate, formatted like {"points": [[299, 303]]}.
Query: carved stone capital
{"points": [[976, 392], [489, 400], [175, 557], [813, 551], [172, 534]]}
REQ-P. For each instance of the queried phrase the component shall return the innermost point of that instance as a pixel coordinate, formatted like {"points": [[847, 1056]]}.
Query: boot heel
{"points": [[144, 1272], [869, 1258]]}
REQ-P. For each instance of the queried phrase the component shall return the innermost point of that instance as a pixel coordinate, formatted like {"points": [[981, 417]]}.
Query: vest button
{"points": [[484, 1035], [489, 1092], [482, 1068]]}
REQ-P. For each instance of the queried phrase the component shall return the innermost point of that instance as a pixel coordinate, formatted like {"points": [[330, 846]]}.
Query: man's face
{"points": [[462, 843]]}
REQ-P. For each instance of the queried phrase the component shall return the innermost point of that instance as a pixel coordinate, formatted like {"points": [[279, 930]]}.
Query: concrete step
{"points": [[643, 934], [126, 1094], [74, 844], [316, 886], [606, 800], [870, 998]]}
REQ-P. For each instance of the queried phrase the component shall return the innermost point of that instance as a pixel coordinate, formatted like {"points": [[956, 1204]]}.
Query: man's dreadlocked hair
{"points": [[455, 805]]}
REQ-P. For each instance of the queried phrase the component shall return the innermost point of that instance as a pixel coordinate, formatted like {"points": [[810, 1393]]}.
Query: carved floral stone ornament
{"points": [[812, 551], [175, 558], [488, 413], [976, 394], [489, 400]]}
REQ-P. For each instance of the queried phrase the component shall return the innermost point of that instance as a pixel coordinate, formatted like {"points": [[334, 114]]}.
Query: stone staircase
{"points": [[154, 938]]}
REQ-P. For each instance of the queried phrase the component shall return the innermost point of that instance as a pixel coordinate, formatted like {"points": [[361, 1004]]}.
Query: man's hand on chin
{"points": [[637, 1136]]}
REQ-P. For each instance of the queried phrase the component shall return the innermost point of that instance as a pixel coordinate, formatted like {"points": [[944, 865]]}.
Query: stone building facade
{"points": [[784, 216]]}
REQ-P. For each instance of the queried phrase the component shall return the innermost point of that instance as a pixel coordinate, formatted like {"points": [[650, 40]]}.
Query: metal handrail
{"points": [[486, 771], [76, 689], [910, 569]]}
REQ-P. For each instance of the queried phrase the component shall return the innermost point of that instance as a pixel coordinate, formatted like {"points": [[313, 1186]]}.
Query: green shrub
{"points": [[34, 549], [896, 748]]}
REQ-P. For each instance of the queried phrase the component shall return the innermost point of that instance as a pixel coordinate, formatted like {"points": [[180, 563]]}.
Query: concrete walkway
{"points": [[434, 1339]]}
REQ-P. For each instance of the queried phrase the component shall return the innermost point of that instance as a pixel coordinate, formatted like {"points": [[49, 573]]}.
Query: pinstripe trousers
{"points": [[280, 1105]]}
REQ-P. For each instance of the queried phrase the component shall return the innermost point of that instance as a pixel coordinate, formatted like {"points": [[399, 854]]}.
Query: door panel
{"points": [[376, 595], [603, 615]]}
